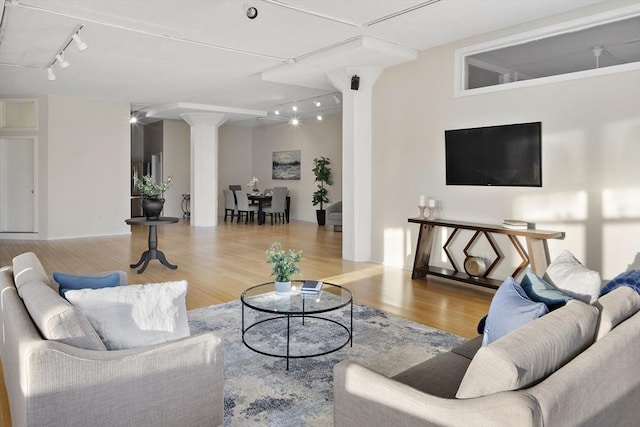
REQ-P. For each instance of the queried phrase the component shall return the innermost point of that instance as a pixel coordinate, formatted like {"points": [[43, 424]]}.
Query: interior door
{"points": [[17, 185]]}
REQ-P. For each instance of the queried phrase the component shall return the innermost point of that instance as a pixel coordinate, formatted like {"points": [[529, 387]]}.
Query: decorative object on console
{"points": [[422, 206], [284, 265], [475, 266], [431, 206], [513, 224]]}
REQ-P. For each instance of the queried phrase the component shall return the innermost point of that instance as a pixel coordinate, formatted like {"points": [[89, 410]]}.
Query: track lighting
{"points": [[295, 121], [133, 119], [61, 61], [336, 99], [317, 103], [79, 43], [319, 117], [277, 112], [294, 108], [59, 58]]}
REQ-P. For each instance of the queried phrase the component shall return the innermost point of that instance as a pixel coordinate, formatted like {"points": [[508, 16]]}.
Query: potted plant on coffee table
{"points": [[152, 201], [284, 265], [322, 171]]}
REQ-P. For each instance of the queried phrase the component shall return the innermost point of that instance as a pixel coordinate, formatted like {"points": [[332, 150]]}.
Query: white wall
{"points": [[176, 155], [235, 159], [87, 168], [314, 139], [591, 158]]}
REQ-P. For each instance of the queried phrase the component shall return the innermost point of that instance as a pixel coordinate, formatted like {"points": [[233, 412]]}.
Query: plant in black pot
{"points": [[322, 171], [152, 201]]}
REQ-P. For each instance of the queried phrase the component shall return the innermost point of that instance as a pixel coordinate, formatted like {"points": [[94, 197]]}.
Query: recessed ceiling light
{"points": [[277, 112], [317, 103], [319, 117], [294, 108]]}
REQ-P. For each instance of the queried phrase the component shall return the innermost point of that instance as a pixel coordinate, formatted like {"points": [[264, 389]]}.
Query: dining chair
{"points": [[244, 207], [229, 204], [233, 188], [278, 204]]}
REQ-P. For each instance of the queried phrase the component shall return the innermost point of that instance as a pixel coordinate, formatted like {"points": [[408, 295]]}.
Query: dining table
{"points": [[261, 200]]}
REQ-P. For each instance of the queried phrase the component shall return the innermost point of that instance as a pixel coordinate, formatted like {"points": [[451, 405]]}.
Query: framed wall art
{"points": [[286, 165]]}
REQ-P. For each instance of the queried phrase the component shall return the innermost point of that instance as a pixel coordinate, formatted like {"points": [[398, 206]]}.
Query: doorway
{"points": [[17, 185]]}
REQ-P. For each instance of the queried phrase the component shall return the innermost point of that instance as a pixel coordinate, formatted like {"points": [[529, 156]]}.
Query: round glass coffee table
{"points": [[296, 325]]}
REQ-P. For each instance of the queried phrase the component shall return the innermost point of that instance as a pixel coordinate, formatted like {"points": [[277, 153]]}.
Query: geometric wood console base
{"points": [[536, 255]]}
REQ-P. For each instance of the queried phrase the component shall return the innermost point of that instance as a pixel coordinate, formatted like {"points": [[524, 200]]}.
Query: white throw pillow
{"points": [[573, 278], [135, 315]]}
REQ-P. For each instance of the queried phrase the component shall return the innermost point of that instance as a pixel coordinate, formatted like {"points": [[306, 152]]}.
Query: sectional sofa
{"points": [[576, 366]]}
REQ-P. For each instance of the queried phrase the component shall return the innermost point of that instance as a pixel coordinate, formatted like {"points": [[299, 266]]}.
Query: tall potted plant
{"points": [[152, 201], [322, 171]]}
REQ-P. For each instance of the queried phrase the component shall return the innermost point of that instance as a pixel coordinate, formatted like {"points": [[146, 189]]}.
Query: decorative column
{"points": [[204, 167], [356, 160]]}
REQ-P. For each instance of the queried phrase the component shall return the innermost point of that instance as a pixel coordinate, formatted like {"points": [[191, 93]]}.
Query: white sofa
{"points": [[58, 373], [547, 373]]}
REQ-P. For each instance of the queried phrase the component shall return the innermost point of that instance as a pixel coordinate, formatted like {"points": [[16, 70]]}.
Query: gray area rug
{"points": [[258, 389]]}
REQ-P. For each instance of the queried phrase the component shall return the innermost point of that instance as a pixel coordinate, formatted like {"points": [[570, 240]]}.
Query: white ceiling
{"points": [[175, 56]]}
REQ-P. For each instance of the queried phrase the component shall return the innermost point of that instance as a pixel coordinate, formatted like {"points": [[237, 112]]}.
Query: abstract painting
{"points": [[286, 165]]}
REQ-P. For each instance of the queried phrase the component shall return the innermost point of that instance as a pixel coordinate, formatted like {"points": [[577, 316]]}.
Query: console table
{"points": [[536, 254]]}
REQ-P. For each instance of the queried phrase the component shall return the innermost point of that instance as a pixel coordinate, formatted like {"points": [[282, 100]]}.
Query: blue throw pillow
{"points": [[539, 290], [69, 282], [630, 278], [510, 308]]}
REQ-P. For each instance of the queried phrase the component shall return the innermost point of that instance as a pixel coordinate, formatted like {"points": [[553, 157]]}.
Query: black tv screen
{"points": [[506, 155]]}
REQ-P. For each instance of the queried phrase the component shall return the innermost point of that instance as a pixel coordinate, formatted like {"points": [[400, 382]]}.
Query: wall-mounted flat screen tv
{"points": [[506, 155]]}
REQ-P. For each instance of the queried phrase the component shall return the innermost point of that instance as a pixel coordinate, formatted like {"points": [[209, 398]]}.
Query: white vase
{"points": [[283, 288]]}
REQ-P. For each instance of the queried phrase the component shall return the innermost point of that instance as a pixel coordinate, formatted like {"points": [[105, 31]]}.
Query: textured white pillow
{"points": [[573, 278], [135, 315]]}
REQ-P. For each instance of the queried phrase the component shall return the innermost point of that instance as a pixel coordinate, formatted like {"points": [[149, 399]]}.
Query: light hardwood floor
{"points": [[220, 262]]}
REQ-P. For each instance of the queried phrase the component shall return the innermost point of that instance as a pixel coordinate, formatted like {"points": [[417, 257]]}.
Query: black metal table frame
{"points": [[152, 252], [303, 315]]}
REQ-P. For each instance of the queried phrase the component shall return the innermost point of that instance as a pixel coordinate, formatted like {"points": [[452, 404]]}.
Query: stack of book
{"points": [[514, 224], [311, 287]]}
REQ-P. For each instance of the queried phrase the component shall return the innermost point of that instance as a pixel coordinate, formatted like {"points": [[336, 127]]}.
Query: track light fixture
{"points": [[59, 58], [61, 61], [82, 46], [297, 110]]}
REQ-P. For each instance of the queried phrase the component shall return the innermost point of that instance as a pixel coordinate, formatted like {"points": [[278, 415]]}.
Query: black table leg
{"points": [[261, 215], [152, 252]]}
